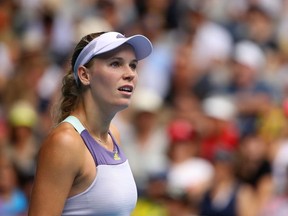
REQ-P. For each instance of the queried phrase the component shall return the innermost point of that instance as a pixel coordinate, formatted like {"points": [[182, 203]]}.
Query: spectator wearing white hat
{"points": [[220, 129], [188, 173], [250, 93]]}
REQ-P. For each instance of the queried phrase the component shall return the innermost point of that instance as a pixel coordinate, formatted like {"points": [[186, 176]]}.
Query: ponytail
{"points": [[70, 96], [71, 91]]}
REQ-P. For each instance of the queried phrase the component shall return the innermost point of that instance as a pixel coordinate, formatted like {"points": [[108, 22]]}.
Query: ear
{"points": [[83, 75]]}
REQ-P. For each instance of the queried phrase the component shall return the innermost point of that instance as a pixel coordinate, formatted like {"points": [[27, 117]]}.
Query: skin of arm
{"points": [[60, 172], [59, 163], [246, 201]]}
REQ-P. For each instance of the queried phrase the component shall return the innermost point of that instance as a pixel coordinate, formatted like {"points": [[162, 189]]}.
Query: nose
{"points": [[129, 74]]}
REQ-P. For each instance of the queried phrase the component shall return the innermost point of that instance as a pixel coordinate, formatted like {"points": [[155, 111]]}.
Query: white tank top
{"points": [[113, 191]]}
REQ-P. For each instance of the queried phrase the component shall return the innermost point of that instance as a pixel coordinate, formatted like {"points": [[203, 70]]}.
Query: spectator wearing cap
{"points": [[23, 145], [250, 92], [220, 129], [22, 120], [188, 173]]}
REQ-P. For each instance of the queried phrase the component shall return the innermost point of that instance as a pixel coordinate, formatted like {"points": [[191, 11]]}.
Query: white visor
{"points": [[109, 41]]}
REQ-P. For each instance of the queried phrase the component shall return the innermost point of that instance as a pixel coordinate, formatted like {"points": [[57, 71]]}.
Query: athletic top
{"points": [[207, 207], [113, 191]]}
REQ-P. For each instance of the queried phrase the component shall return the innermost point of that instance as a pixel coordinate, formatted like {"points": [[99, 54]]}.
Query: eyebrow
{"points": [[121, 59]]}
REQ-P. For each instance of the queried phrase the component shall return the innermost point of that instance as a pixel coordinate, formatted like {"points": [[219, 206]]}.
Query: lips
{"points": [[126, 88]]}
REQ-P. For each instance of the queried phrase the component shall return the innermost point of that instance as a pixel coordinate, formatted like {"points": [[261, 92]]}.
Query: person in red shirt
{"points": [[220, 128]]}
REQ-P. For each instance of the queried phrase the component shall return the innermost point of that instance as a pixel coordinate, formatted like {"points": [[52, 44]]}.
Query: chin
{"points": [[122, 106]]}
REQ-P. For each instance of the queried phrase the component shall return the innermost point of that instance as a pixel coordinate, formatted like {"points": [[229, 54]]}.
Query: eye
{"points": [[133, 65], [115, 64]]}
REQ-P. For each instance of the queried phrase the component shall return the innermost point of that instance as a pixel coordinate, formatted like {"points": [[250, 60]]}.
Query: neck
{"points": [[95, 119]]}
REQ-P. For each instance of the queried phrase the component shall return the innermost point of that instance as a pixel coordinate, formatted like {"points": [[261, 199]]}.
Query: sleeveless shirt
{"points": [[208, 208], [113, 191]]}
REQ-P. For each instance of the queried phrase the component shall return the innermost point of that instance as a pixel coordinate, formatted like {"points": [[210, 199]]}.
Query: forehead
{"points": [[124, 48]]}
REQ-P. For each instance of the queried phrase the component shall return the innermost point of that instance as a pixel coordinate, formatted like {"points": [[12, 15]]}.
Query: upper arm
{"points": [[246, 199], [58, 164]]}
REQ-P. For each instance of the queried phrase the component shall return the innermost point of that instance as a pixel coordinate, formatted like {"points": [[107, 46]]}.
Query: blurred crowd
{"points": [[206, 133]]}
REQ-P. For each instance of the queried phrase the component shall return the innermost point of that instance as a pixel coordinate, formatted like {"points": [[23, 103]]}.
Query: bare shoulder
{"points": [[115, 132], [63, 144], [59, 162], [63, 136]]}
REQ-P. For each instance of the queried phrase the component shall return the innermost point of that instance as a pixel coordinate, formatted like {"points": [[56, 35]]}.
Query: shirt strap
{"points": [[75, 122]]}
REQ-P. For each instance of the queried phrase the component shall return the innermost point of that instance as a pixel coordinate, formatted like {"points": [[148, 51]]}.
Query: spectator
{"points": [[188, 173], [194, 42], [246, 87], [22, 120], [220, 130], [146, 144], [227, 196], [13, 201], [254, 168], [277, 204], [23, 143]]}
